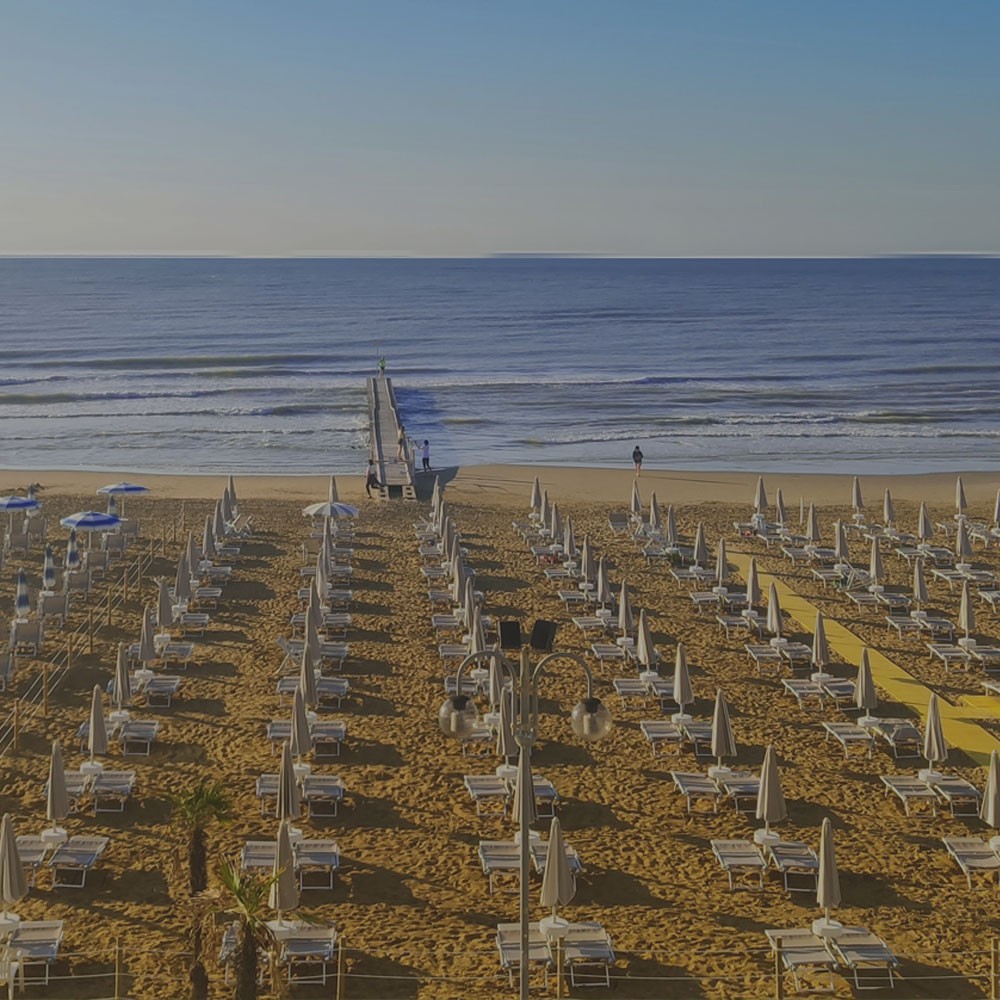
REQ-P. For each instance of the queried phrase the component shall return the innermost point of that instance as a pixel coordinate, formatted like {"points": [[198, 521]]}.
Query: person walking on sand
{"points": [[401, 444], [425, 455], [637, 459], [371, 479]]}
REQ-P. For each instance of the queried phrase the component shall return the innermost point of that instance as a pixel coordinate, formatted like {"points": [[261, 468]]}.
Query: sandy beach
{"points": [[411, 901]]}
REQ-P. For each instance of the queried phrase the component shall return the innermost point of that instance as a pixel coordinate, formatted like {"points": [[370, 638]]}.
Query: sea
{"points": [[871, 365]]}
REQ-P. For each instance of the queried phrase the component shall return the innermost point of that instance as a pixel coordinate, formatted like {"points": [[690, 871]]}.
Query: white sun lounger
{"points": [[498, 858], [902, 736], [487, 791], [973, 855], [741, 787], [137, 736], [866, 955], [32, 850], [763, 655], [795, 861], [71, 861], [660, 733], [962, 796], [740, 858], [839, 690], [910, 790], [322, 794], [695, 787], [37, 943], [110, 790], [948, 653], [802, 952], [849, 734], [587, 954], [508, 941], [804, 690]]}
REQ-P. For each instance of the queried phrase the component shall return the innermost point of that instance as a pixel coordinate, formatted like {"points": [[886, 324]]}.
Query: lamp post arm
{"points": [[575, 658], [489, 655]]}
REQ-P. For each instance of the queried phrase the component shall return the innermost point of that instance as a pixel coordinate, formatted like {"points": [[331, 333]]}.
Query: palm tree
{"points": [[248, 904], [197, 808]]}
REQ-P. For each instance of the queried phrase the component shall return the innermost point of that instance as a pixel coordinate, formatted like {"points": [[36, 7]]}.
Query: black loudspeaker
{"points": [[543, 635], [510, 635]]}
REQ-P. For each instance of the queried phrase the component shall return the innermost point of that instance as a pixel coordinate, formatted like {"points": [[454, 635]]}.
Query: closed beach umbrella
{"points": [[307, 677], [961, 504], [284, 892], [314, 609], [812, 525], [312, 648], [208, 540], [644, 649], [22, 599], [919, 583], [495, 684], [655, 522], [700, 551], [588, 569], [231, 486], [780, 514], [989, 808], [602, 595], [524, 779], [544, 511], [227, 507], [963, 547], [723, 744], [458, 578], [760, 496], [506, 744], [192, 553], [966, 612], [72, 552], [771, 806], [876, 569], [635, 503], [671, 529], [321, 580], [147, 648], [436, 496], [97, 735], [289, 803], [569, 539], [865, 695], [935, 748], [182, 580], [828, 883], [996, 510], [536, 493], [13, 884], [925, 530], [56, 798], [857, 501], [301, 737], [840, 547], [683, 694], [477, 635], [753, 585], [555, 524], [821, 648], [558, 884], [333, 496], [121, 686], [626, 620], [468, 609], [218, 521], [721, 563], [888, 510], [49, 570], [773, 612], [164, 606]]}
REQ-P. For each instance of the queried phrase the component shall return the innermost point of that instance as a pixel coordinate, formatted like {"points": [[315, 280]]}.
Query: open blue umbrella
{"points": [[330, 509], [91, 520], [122, 490], [72, 551], [11, 504], [22, 601], [49, 572]]}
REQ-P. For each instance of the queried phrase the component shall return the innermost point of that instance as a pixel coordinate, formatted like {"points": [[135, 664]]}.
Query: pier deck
{"points": [[384, 423]]}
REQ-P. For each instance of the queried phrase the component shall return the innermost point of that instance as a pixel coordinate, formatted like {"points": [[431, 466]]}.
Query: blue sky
{"points": [[463, 128]]}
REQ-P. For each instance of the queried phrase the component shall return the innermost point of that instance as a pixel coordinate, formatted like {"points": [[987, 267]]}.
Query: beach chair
{"points": [[587, 954], [178, 653], [661, 734], [26, 636], [110, 790], [96, 562], [699, 735], [546, 796], [974, 856], [741, 787], [902, 736], [159, 691], [53, 606], [962, 796], [839, 690], [795, 861], [317, 862], [696, 787], [849, 734], [804, 691], [71, 861], [322, 794], [499, 858], [866, 955], [630, 690], [8, 664], [508, 942], [540, 856], [137, 737], [910, 790], [763, 655], [949, 654], [302, 947], [618, 522], [740, 858], [605, 652], [37, 943], [488, 792], [32, 850], [802, 952]]}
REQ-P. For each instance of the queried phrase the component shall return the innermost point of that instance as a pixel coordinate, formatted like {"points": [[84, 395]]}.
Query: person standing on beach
{"points": [[425, 454], [401, 444], [371, 479], [637, 459]]}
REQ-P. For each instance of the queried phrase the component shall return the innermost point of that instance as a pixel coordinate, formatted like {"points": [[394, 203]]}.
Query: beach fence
{"points": [[123, 584]]}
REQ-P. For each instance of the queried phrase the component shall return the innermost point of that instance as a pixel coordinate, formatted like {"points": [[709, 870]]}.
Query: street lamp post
{"points": [[590, 719]]}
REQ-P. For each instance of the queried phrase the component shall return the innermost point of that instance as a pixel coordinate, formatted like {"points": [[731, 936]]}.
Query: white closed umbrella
{"points": [[780, 514], [753, 585], [121, 685], [555, 524], [536, 494], [644, 650], [821, 648], [773, 612], [966, 612], [723, 743], [544, 511], [588, 569], [231, 486], [506, 744], [164, 606], [227, 507], [284, 891], [56, 796], [477, 636], [888, 510], [655, 521], [771, 806], [840, 547], [97, 732], [333, 496], [857, 501], [828, 882], [760, 496], [468, 611], [569, 539], [208, 541], [147, 647], [963, 546], [182, 580], [307, 676], [524, 779], [700, 552], [218, 521], [289, 803], [919, 583], [192, 553], [721, 564], [626, 620], [876, 568], [961, 504], [13, 884], [996, 511], [865, 695], [812, 525], [602, 594], [989, 808], [683, 695], [935, 750], [925, 530], [49, 570], [635, 501], [558, 883], [671, 529], [301, 741]]}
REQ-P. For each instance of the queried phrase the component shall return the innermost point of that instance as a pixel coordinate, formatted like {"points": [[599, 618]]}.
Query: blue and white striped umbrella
{"points": [[72, 551], [49, 572], [91, 520], [122, 490], [22, 601], [11, 504]]}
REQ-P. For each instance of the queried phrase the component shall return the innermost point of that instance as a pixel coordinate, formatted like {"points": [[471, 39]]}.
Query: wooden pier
{"points": [[384, 422]]}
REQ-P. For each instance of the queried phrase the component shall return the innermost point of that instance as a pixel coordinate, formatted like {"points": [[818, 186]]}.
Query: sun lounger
{"points": [[53, 606], [447, 623], [137, 737], [508, 941], [763, 655], [948, 654], [962, 796], [540, 856], [802, 952], [608, 652], [36, 942], [451, 651], [159, 691], [487, 791], [587, 954], [662, 734], [630, 690], [699, 735], [328, 734], [804, 690], [317, 862], [329, 690], [736, 623], [862, 599], [849, 734], [110, 790], [795, 861], [910, 790], [546, 796], [592, 624], [26, 636], [740, 858], [696, 787], [741, 787], [937, 628], [662, 688], [827, 575], [866, 955], [322, 794], [8, 663], [179, 653], [901, 625], [498, 858], [839, 690], [902, 736], [973, 856], [193, 622], [71, 861], [32, 850], [301, 946], [618, 522]]}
